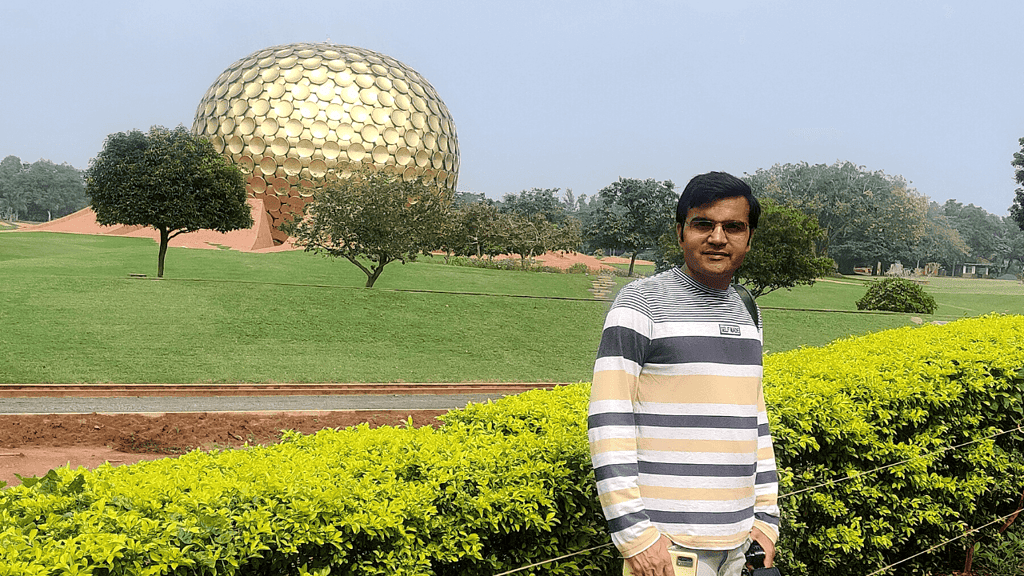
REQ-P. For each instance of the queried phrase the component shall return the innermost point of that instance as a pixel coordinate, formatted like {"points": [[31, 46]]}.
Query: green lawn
{"points": [[956, 297], [638, 269], [70, 313]]}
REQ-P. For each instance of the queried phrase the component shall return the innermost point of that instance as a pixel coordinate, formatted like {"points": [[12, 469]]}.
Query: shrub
{"points": [[578, 268], [499, 486], [866, 402], [897, 295], [502, 485]]}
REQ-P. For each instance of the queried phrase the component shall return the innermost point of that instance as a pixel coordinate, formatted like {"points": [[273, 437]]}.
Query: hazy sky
{"points": [[571, 94]]}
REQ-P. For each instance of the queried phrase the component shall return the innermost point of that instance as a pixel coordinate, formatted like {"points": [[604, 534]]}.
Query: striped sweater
{"points": [[678, 429]]}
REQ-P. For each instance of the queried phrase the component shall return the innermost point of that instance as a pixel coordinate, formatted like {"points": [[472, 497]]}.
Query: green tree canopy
{"points": [[867, 216], [171, 180], [39, 191], [632, 214], [782, 253], [372, 219], [1017, 209], [982, 231], [536, 202], [942, 242]]}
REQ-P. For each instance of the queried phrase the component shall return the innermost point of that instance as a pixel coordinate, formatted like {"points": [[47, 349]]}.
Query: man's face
{"points": [[714, 251]]}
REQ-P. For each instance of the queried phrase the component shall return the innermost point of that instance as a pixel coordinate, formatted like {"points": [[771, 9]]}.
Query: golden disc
{"points": [[403, 156], [293, 127], [319, 129], [276, 90], [369, 133], [356, 152], [268, 165], [331, 150], [269, 127], [358, 113], [305, 148], [317, 168], [260, 107], [279, 146], [335, 111], [257, 146]]}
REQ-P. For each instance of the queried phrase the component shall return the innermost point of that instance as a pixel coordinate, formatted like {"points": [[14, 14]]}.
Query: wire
{"points": [[408, 290], [1019, 428], [570, 555], [867, 472], [941, 544]]}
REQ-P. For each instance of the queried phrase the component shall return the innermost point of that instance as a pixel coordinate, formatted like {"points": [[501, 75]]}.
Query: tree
{"points": [[632, 215], [867, 216], [941, 242], [373, 216], [1017, 209], [983, 232], [471, 231], [40, 191], [536, 202], [12, 198], [171, 180], [782, 251]]}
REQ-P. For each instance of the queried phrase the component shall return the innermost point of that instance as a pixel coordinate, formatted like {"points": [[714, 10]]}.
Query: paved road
{"points": [[239, 403]]}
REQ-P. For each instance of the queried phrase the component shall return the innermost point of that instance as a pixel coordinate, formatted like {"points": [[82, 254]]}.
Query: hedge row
{"points": [[866, 402], [506, 484], [473, 498]]}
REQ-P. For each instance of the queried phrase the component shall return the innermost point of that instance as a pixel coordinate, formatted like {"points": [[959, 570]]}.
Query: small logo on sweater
{"points": [[729, 330]]}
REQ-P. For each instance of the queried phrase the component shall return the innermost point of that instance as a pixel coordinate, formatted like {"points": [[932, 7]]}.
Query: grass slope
{"points": [[69, 313]]}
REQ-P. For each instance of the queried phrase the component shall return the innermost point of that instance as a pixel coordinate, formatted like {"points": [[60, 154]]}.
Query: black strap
{"points": [[748, 301]]}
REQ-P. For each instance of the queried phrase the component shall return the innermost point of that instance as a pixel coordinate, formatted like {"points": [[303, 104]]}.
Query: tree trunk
{"points": [[164, 239], [632, 260], [371, 278]]}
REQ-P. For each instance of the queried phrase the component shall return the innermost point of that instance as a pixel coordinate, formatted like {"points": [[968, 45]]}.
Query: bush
{"points": [[502, 485], [897, 295], [578, 268], [499, 486], [867, 402]]}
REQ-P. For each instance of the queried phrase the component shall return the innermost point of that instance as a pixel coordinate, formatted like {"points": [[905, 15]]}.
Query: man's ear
{"points": [[679, 233]]}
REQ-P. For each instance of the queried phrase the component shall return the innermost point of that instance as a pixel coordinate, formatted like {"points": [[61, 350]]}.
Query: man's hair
{"points": [[704, 189]]}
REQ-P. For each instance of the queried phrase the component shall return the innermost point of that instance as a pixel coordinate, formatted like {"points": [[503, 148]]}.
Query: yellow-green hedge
{"points": [[506, 484], [866, 402], [499, 486]]}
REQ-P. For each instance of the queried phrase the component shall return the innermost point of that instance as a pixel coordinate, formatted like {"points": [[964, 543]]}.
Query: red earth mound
{"points": [[30, 445], [255, 239]]}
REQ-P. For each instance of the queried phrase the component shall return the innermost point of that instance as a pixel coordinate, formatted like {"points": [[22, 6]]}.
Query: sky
{"points": [[575, 94]]}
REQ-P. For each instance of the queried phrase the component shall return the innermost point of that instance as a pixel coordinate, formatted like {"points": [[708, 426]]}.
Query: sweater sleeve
{"points": [[766, 484], [625, 341]]}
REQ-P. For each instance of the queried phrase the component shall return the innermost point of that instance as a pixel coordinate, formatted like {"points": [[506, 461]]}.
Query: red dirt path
{"points": [[30, 445]]}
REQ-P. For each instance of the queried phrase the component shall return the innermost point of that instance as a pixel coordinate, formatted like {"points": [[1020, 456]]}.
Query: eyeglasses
{"points": [[705, 226]]}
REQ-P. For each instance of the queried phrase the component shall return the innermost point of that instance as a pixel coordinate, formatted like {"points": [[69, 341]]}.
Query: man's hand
{"points": [[766, 543], [654, 561]]}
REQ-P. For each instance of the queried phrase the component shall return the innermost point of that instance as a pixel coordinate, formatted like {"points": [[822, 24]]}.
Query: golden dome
{"points": [[291, 114]]}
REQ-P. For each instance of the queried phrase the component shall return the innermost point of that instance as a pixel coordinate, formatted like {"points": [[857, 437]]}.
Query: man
{"points": [[678, 429]]}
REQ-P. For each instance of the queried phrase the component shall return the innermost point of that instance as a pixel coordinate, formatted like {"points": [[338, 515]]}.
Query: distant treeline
{"points": [[40, 191], [868, 217]]}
